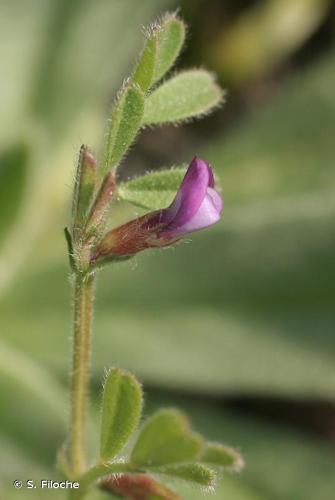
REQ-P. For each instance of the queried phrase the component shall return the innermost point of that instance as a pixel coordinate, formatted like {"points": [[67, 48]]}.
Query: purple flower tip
{"points": [[196, 205]]}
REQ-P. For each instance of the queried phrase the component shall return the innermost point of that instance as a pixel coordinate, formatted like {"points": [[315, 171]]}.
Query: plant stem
{"points": [[82, 331]]}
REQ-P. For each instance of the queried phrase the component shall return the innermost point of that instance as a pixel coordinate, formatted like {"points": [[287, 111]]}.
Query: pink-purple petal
{"points": [[190, 195], [209, 213]]}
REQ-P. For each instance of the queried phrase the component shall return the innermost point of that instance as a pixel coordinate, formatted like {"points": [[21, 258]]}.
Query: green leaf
{"points": [[121, 411], [164, 42], [166, 438], [125, 121], [303, 462], [170, 39], [154, 190], [195, 473], [222, 456], [186, 95], [144, 72]]}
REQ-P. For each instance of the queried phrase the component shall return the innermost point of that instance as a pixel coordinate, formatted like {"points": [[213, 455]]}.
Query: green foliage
{"points": [[121, 411], [163, 44], [170, 39], [194, 473], [222, 456], [125, 121], [143, 75], [154, 190], [188, 94], [164, 439]]}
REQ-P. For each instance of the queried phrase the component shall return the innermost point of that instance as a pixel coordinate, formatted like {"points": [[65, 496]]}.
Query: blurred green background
{"points": [[237, 327]]}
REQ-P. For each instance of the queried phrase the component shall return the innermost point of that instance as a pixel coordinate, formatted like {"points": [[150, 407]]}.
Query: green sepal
{"points": [[85, 183], [100, 206], [153, 190], [121, 411], [195, 473], [68, 239], [222, 456], [125, 122], [166, 438], [164, 42], [187, 95]]}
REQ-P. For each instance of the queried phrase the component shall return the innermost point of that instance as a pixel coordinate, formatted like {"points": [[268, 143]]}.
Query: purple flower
{"points": [[196, 205]]}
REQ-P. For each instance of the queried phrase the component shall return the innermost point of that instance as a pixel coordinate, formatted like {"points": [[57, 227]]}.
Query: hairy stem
{"points": [[82, 330]]}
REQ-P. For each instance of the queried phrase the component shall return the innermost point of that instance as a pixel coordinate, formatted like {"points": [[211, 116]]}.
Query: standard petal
{"points": [[208, 214], [190, 195]]}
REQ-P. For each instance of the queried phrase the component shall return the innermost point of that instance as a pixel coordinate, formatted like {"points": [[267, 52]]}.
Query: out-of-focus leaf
{"points": [[263, 36], [35, 398], [166, 438], [20, 37], [13, 176], [121, 411], [188, 94], [283, 155], [256, 324], [154, 190], [76, 71], [251, 322], [164, 42]]}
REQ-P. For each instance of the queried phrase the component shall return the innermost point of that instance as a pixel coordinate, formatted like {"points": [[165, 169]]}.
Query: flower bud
{"points": [[196, 205]]}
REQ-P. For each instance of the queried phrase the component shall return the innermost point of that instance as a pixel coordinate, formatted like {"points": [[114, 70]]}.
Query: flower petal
{"points": [[208, 214], [190, 195]]}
